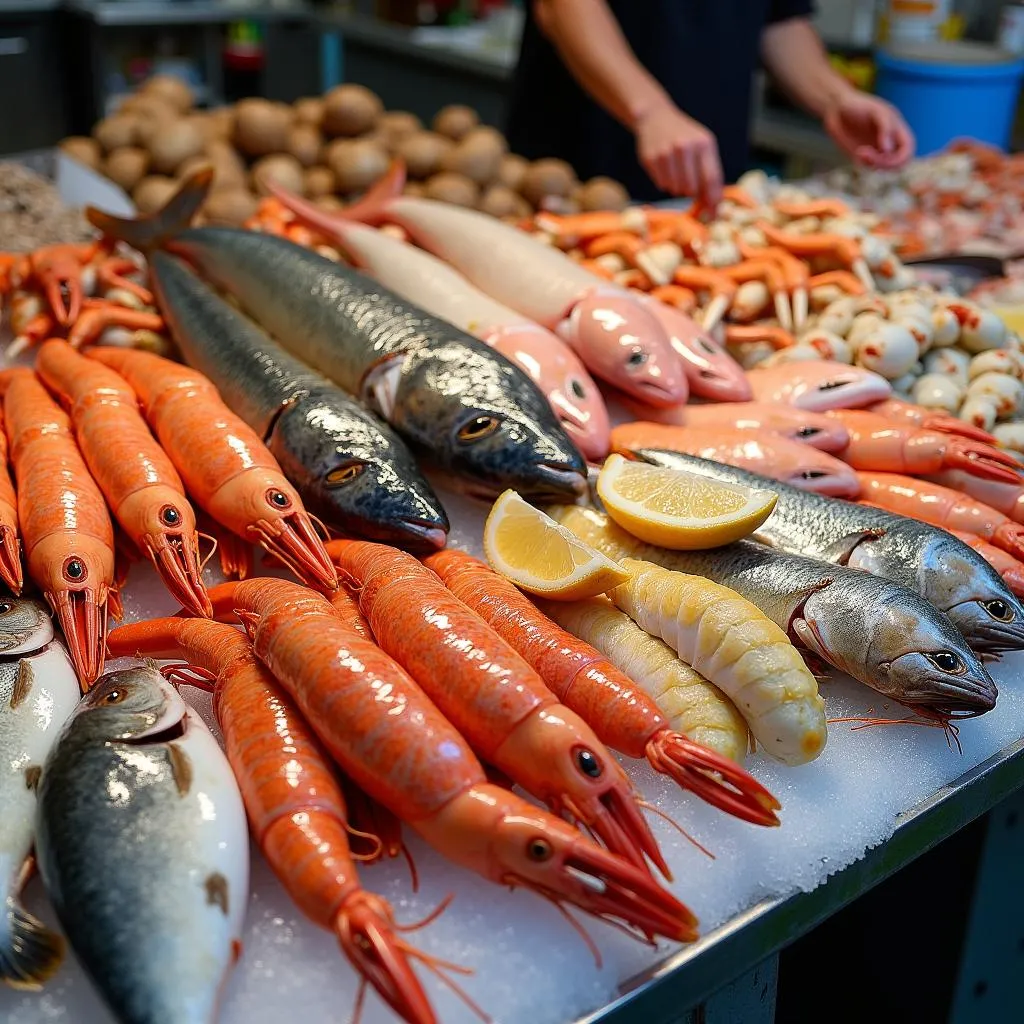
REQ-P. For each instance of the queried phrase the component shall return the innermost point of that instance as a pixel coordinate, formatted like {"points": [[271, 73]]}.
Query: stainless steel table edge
{"points": [[684, 980]]}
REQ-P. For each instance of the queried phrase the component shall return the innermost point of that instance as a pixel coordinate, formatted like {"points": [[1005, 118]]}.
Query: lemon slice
{"points": [[541, 557], [676, 509]]}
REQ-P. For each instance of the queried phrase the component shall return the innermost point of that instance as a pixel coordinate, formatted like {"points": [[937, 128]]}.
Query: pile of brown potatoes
{"points": [[330, 148]]}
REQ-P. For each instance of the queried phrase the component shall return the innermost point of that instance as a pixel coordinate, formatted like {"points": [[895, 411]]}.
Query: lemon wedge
{"points": [[541, 557], [676, 509]]}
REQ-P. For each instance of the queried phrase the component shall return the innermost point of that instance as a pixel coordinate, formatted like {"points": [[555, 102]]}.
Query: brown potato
{"points": [[220, 123], [351, 110], [126, 167], [172, 90], [455, 121], [281, 168], [547, 178], [84, 150], [357, 164], [228, 168], [318, 181], [309, 110], [261, 127], [452, 188], [116, 132], [229, 207], [305, 144], [477, 156], [602, 194], [174, 144], [396, 125], [501, 201], [423, 153], [151, 193], [512, 171]]}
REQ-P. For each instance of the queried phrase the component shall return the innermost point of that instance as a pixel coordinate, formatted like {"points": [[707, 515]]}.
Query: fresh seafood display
{"points": [[874, 630], [928, 561], [350, 468], [137, 783], [38, 691], [474, 412]]}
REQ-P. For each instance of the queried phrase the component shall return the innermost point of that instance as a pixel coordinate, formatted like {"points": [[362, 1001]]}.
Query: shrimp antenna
{"points": [[213, 548], [375, 842], [430, 918], [579, 929], [414, 875], [675, 824], [437, 967]]}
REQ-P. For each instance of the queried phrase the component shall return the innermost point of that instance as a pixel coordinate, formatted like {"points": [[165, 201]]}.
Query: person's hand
{"points": [[871, 130], [679, 154]]}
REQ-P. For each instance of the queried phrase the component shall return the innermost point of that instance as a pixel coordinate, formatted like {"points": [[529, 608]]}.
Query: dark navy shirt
{"points": [[704, 54]]}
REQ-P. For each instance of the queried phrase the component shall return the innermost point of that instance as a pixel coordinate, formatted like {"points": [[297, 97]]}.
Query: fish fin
{"points": [[29, 952], [840, 551], [151, 230], [380, 385], [371, 208]]}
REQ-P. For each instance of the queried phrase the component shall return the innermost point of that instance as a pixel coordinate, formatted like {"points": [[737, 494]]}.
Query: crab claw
{"points": [[64, 295], [82, 615], [368, 939], [714, 778], [10, 559], [293, 540], [952, 425], [982, 460], [175, 557]]}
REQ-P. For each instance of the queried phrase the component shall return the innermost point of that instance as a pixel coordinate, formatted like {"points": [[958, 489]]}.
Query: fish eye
{"points": [[345, 474], [812, 474], [114, 697], [807, 432], [707, 346], [5, 607], [999, 609], [831, 385], [170, 516], [588, 763], [278, 498], [577, 389], [637, 357], [74, 570], [947, 661], [539, 850], [478, 428]]}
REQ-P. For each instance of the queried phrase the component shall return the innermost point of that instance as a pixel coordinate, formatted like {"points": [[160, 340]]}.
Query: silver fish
{"points": [[923, 558], [874, 630], [476, 414], [142, 844], [38, 691]]}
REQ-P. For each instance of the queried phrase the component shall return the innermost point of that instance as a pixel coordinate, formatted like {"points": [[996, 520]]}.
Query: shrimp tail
{"points": [[982, 460], [717, 780], [10, 560], [152, 230]]}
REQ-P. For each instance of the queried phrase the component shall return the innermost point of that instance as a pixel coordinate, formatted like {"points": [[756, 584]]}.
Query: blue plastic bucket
{"points": [[948, 91]]}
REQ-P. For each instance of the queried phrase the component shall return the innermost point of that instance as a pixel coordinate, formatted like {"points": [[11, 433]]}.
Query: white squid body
{"points": [[38, 691], [432, 284]]}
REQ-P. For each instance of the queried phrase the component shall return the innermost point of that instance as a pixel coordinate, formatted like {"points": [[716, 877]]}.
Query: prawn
{"points": [[10, 543], [941, 506], [292, 797], [620, 712], [226, 468], [141, 486], [690, 704], [728, 640], [896, 409], [68, 535], [393, 742], [493, 697], [879, 443], [1006, 497], [1011, 570]]}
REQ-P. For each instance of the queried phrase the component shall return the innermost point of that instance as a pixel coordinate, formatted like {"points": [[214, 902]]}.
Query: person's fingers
{"points": [[709, 168], [689, 171], [842, 137], [655, 170], [905, 142]]}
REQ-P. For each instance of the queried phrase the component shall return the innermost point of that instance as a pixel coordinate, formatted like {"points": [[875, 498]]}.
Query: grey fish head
{"points": [[25, 626], [973, 595], [482, 419], [356, 474], [134, 705]]}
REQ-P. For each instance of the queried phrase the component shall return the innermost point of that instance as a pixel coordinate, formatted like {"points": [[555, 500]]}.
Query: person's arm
{"points": [[679, 153], [867, 127]]}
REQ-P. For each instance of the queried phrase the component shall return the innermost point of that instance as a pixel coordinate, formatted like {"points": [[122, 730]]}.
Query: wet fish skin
{"points": [[142, 845], [476, 413], [350, 468], [874, 630], [38, 691], [923, 558]]}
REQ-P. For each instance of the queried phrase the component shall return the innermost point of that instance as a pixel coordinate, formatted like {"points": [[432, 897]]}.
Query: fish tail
{"points": [[151, 230], [372, 208], [30, 953]]}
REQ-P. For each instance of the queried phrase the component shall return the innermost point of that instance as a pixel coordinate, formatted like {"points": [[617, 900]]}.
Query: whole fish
{"points": [[351, 469], [477, 415], [142, 845], [432, 284], [874, 630], [929, 561], [38, 691]]}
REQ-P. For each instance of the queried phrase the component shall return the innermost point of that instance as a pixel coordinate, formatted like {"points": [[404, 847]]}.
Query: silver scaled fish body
{"points": [[923, 558], [874, 630], [38, 691], [142, 845], [351, 469]]}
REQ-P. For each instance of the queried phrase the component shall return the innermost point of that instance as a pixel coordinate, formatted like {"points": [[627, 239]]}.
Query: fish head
{"points": [[136, 705], [624, 344], [357, 476], [25, 626], [483, 420]]}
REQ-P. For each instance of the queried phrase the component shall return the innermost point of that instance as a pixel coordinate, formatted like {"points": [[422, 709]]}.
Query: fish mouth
{"points": [[160, 733], [422, 534], [821, 482], [555, 480]]}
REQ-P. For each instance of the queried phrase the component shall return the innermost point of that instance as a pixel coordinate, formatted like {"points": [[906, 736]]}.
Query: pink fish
{"points": [[818, 386], [795, 464], [712, 373], [615, 337], [433, 285]]}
